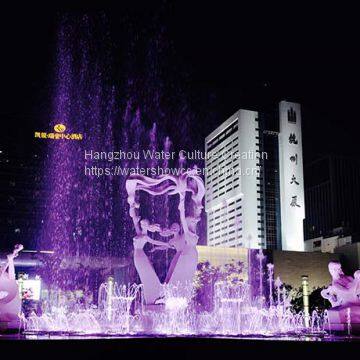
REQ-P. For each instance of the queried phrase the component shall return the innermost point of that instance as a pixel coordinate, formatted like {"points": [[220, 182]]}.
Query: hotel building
{"points": [[254, 180]]}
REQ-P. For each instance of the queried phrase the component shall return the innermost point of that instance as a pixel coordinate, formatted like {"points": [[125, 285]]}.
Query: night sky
{"points": [[234, 56]]}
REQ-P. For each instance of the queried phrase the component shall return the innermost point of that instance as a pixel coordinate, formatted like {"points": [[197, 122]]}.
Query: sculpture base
{"points": [[341, 319]]}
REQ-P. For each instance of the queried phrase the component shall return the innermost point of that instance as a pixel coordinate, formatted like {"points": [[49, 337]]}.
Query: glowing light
{"points": [[176, 303], [60, 128], [31, 289]]}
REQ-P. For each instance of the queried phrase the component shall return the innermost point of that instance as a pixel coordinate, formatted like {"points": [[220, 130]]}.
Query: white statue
{"points": [[344, 290], [343, 294], [184, 238], [10, 302], [148, 276]]}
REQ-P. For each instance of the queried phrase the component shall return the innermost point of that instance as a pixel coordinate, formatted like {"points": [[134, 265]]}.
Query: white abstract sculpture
{"points": [[10, 302], [184, 238]]}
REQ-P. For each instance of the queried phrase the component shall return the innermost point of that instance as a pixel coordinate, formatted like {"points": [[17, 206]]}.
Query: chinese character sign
{"points": [[291, 176]]}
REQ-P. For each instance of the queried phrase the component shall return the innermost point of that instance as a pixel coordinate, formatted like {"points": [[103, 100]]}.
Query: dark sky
{"points": [[243, 56]]}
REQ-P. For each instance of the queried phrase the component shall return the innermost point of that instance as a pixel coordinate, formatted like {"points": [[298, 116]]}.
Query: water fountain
{"points": [[125, 310], [95, 225]]}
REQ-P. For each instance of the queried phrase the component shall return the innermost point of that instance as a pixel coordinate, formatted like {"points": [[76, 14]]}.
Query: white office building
{"points": [[253, 201], [231, 198]]}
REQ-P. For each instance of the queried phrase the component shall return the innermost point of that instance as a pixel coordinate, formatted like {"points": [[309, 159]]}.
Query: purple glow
{"points": [[89, 229]]}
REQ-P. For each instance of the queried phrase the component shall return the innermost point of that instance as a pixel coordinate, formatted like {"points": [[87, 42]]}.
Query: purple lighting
{"points": [[111, 273]]}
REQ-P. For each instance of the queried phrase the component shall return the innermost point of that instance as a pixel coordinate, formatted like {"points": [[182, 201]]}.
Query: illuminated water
{"points": [[87, 220], [121, 311]]}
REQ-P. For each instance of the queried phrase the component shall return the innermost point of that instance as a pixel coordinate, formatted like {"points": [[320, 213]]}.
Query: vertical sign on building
{"points": [[291, 177]]}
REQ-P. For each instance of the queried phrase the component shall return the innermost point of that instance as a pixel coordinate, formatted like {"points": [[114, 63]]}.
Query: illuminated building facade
{"points": [[234, 218], [292, 199], [256, 201]]}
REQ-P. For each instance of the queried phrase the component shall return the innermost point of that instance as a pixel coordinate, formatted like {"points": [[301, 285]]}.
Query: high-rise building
{"points": [[332, 194], [254, 180], [232, 201]]}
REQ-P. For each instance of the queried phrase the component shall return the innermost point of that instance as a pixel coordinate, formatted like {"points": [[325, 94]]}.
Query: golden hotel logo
{"points": [[59, 134]]}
